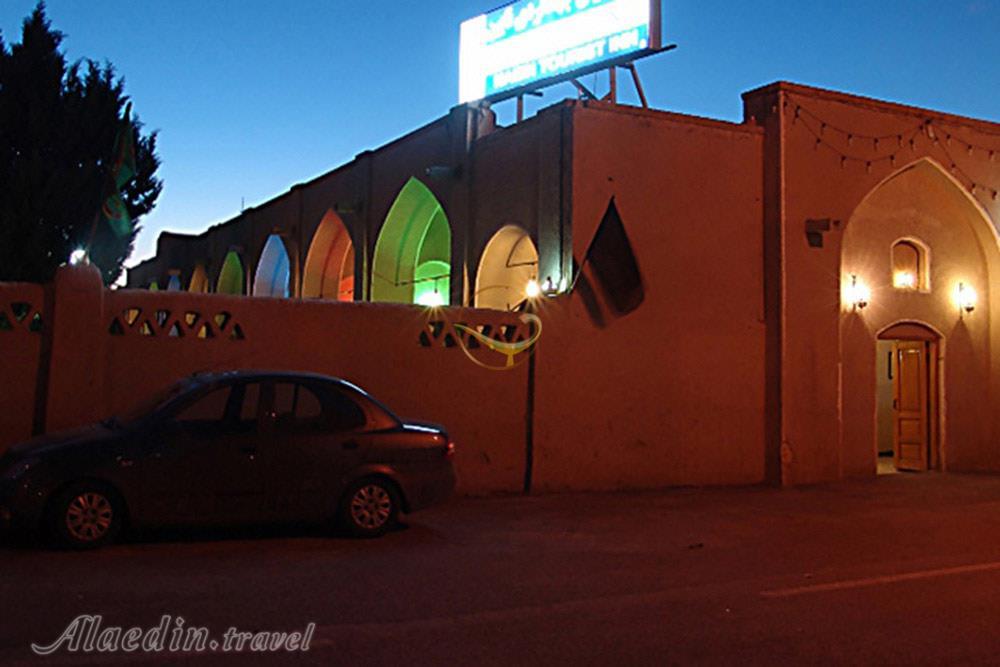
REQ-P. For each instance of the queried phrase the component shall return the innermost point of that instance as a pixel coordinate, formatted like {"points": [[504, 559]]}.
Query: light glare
{"points": [[431, 299], [904, 280], [966, 297], [857, 294]]}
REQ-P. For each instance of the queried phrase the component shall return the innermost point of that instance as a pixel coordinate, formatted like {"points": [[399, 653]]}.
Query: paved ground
{"points": [[905, 569]]}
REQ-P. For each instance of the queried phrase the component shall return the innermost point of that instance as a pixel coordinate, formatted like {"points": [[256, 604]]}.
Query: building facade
{"points": [[819, 281]]}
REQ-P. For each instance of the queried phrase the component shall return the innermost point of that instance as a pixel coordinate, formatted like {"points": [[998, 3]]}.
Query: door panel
{"points": [[912, 426], [202, 466], [308, 451]]}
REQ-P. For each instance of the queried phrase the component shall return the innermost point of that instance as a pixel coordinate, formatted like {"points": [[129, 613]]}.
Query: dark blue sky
{"points": [[251, 97]]}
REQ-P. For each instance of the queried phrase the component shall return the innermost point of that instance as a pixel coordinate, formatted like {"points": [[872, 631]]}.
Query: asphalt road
{"points": [[902, 570]]}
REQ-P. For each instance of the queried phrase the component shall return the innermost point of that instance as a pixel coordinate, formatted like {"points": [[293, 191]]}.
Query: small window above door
{"points": [[910, 266]]}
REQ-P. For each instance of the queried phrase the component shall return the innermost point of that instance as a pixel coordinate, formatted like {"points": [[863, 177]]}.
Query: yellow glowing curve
{"points": [[509, 350]]}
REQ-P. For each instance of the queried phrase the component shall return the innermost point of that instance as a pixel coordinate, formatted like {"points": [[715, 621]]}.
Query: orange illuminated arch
{"points": [[329, 270], [199, 280]]}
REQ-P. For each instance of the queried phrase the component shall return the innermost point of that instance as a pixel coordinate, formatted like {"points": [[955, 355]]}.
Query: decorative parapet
{"points": [[166, 323]]}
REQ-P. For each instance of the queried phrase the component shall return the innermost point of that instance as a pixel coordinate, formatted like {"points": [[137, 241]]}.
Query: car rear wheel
{"points": [[370, 507], [85, 516]]}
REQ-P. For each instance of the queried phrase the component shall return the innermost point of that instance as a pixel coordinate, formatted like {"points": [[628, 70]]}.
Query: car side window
{"points": [[343, 413], [207, 413], [296, 408], [250, 407]]}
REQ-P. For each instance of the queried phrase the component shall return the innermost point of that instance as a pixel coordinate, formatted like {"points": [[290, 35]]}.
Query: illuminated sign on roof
{"points": [[531, 43]]}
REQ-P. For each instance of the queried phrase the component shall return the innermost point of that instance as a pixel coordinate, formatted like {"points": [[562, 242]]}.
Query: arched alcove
{"points": [[508, 264], [199, 280], [412, 262], [922, 201], [274, 270], [329, 269], [910, 265], [232, 278]]}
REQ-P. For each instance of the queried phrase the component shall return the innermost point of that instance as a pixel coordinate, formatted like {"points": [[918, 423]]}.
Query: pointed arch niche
{"points": [[412, 262], [329, 270], [232, 278], [924, 206], [199, 280], [274, 270], [508, 264]]}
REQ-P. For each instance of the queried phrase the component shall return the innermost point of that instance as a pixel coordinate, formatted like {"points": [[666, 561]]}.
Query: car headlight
{"points": [[17, 470]]}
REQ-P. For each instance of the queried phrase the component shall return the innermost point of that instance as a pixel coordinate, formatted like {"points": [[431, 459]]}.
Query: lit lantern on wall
{"points": [[533, 290], [966, 297], [904, 280], [857, 293], [431, 299]]}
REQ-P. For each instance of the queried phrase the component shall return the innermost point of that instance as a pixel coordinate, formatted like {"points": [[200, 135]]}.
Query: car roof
{"points": [[258, 375]]}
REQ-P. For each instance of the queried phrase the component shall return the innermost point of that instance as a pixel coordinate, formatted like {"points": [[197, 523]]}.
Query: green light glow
{"points": [[231, 278], [413, 251], [433, 283]]}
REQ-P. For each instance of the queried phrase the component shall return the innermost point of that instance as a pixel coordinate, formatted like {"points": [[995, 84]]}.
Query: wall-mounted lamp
{"points": [[966, 297], [550, 289], [533, 290], [431, 299], [858, 294], [904, 280], [77, 257], [440, 172]]}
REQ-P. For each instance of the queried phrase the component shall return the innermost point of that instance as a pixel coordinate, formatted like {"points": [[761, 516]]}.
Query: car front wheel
{"points": [[370, 507], [85, 516]]}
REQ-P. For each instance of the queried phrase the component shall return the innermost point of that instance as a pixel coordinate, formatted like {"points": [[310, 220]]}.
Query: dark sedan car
{"points": [[230, 448]]}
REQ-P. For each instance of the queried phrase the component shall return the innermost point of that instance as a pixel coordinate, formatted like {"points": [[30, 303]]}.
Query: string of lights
{"points": [[891, 147]]}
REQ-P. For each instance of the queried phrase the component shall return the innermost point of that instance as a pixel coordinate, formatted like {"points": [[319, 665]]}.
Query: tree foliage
{"points": [[58, 125]]}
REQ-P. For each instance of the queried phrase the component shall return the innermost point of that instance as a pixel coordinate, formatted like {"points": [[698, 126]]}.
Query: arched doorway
{"points": [[918, 242], [199, 280], [509, 263], [232, 279], [329, 270], [907, 398], [274, 270], [412, 262]]}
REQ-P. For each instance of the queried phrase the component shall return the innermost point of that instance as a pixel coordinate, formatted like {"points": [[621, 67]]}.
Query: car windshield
{"points": [[152, 404]]}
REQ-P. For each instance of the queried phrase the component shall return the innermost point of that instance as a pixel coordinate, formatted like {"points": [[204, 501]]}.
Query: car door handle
{"points": [[350, 444]]}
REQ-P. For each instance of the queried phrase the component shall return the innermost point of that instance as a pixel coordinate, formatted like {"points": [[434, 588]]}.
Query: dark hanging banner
{"points": [[613, 265]]}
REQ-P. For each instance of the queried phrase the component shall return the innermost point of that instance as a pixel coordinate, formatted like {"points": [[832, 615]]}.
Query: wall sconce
{"points": [[966, 297], [431, 299], [550, 289], [77, 257], [440, 172], [533, 290], [904, 280], [858, 294]]}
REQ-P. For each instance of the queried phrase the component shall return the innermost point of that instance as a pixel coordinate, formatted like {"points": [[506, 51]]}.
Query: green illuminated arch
{"points": [[412, 261], [231, 277]]}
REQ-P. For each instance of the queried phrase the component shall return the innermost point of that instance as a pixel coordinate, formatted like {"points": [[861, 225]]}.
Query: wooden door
{"points": [[911, 405]]}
